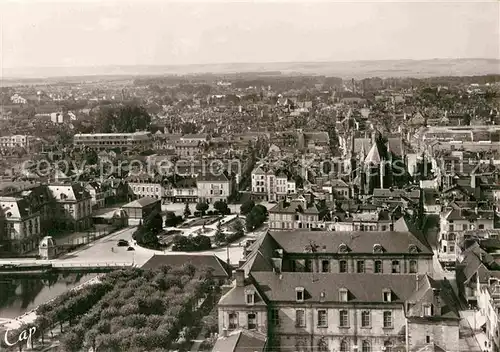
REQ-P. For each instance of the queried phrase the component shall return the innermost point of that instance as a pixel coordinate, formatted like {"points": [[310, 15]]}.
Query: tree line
{"points": [[127, 310]]}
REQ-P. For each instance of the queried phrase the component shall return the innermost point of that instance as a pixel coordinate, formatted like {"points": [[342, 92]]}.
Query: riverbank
{"points": [[30, 316]]}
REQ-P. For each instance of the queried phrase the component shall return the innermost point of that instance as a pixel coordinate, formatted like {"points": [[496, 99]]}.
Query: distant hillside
{"points": [[353, 69]]}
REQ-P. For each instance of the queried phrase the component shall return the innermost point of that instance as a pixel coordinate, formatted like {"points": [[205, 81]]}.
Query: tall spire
{"points": [[373, 156]]}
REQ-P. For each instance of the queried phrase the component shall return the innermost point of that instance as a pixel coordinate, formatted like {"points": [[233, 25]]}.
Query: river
{"points": [[21, 295]]}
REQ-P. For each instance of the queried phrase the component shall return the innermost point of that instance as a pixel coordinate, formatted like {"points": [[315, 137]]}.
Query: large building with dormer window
{"points": [[73, 209], [21, 225], [323, 291]]}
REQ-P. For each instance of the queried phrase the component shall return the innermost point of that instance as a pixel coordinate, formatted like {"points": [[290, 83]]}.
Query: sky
{"points": [[99, 33]]}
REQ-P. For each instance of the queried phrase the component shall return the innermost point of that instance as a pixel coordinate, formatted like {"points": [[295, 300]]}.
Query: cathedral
{"points": [[380, 167]]}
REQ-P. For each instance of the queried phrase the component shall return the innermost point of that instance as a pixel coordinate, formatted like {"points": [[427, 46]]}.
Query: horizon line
{"points": [[247, 63]]}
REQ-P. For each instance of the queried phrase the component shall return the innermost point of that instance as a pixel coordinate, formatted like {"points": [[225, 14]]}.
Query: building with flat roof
{"points": [[19, 140], [138, 140]]}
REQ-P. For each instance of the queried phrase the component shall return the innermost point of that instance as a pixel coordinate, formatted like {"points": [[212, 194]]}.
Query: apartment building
{"points": [[17, 141], [17, 99], [293, 215], [379, 220], [478, 282], [73, 206], [188, 148], [271, 186], [338, 188], [21, 225], [183, 190], [136, 140], [212, 187], [146, 188], [455, 220], [41, 201], [490, 308], [97, 193], [312, 294]]}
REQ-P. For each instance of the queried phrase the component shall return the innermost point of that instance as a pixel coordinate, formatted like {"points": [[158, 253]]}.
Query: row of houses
{"points": [[207, 188]]}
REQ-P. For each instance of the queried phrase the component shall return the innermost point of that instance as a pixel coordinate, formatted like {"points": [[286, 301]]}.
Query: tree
{"points": [[187, 211], [150, 240], [238, 227], [261, 209], [221, 207], [154, 223], [72, 342], [124, 119], [191, 243], [202, 207], [219, 237], [256, 217], [172, 220], [91, 157], [202, 243], [247, 207]]}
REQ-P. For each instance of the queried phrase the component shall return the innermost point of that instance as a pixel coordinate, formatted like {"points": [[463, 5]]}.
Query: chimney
{"points": [[473, 181], [240, 278], [437, 300], [382, 173]]}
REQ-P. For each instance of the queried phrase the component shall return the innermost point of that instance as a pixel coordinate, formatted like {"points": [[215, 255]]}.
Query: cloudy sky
{"points": [[86, 33]]}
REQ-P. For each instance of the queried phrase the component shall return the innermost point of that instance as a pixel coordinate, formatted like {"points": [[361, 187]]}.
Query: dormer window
{"points": [[343, 295], [412, 248], [387, 295], [428, 310], [377, 248], [299, 294], [250, 297], [343, 248]]}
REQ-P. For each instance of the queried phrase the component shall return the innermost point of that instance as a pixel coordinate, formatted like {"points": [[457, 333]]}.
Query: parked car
{"points": [[130, 249], [122, 243]]}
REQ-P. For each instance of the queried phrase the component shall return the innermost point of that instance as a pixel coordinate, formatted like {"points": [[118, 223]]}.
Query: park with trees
{"points": [[133, 309]]}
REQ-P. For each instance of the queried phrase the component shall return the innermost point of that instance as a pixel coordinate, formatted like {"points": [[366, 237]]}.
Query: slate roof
{"points": [[209, 177], [395, 145], [338, 183], [293, 207], [141, 202], [256, 261], [357, 242], [477, 261], [197, 260], [241, 341], [16, 207], [448, 304], [281, 287], [396, 193], [236, 296]]}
